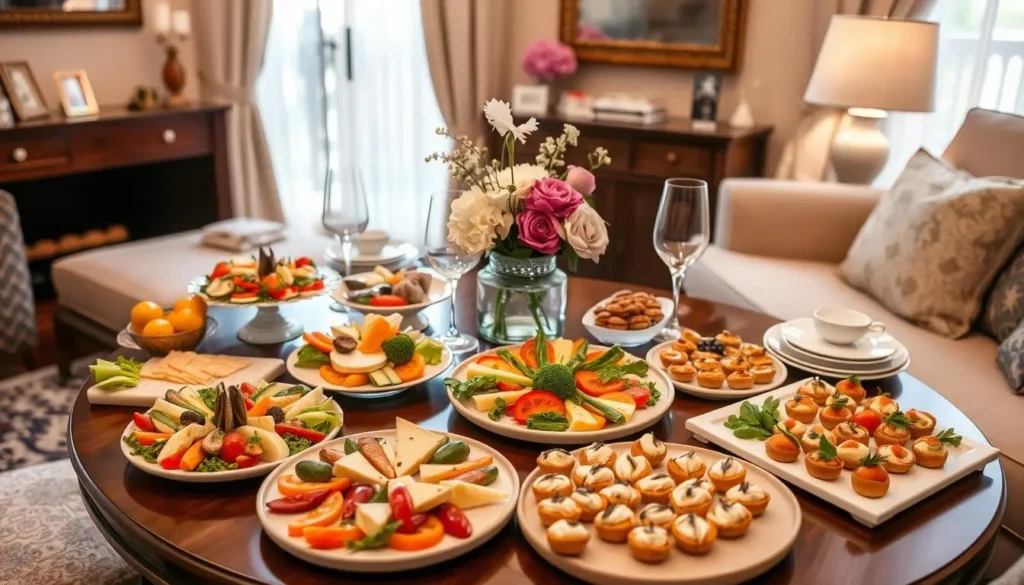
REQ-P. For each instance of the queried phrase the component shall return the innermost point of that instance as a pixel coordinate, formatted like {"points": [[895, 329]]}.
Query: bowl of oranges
{"points": [[159, 332]]}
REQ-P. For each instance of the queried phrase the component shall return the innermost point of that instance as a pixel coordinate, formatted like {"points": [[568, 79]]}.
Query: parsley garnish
{"points": [[548, 420], [209, 396], [498, 411], [827, 450], [296, 444], [615, 372], [755, 422], [213, 464], [147, 452], [949, 437], [377, 540]]}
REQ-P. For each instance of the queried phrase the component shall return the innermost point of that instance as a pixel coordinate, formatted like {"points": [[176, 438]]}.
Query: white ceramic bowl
{"points": [[372, 242], [439, 291], [627, 337]]}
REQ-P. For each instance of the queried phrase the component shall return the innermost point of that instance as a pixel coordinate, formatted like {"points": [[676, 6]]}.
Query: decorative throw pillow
{"points": [[932, 246], [1011, 359], [1004, 308]]}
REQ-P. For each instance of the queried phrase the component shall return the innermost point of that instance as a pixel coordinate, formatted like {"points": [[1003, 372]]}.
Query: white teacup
{"points": [[372, 242], [844, 326]]}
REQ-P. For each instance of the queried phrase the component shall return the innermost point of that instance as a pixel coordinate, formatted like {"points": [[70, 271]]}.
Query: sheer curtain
{"points": [[981, 57]]}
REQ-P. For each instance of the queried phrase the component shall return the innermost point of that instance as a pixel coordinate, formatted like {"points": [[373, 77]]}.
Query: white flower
{"points": [[499, 116], [524, 174], [586, 232], [476, 221]]}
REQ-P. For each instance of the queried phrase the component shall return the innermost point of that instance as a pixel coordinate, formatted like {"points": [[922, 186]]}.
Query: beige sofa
{"points": [[777, 249]]}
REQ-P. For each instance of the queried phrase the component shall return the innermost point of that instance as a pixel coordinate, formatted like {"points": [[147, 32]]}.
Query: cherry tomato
{"points": [[401, 508], [534, 402], [454, 521], [313, 436], [641, 394], [508, 387], [302, 261], [388, 301], [143, 422], [298, 503], [232, 447], [219, 270], [359, 494], [589, 383], [869, 419], [247, 388]]}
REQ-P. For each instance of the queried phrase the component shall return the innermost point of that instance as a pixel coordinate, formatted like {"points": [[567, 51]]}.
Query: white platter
{"points": [[486, 520], [215, 476], [871, 347], [329, 276], [723, 393], [440, 290], [773, 340], [642, 418], [394, 251], [312, 378], [830, 373], [904, 490], [768, 540], [626, 337]]}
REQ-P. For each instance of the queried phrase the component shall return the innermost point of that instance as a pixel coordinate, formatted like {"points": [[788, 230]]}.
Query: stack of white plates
{"points": [[873, 357], [395, 255]]}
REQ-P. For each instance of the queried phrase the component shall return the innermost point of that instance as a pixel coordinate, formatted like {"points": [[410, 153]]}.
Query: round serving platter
{"points": [[440, 290], [768, 540], [311, 377], [723, 393]]}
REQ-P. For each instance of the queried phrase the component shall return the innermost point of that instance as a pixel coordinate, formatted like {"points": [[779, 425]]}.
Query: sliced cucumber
{"points": [[379, 378], [392, 376], [220, 287], [163, 422]]}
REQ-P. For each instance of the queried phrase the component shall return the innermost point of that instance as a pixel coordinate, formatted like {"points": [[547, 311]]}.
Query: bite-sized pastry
{"points": [[557, 508], [852, 452], [657, 514], [824, 462], [921, 423], [732, 364], [726, 473], [701, 483], [850, 431], [817, 390], [656, 488], [751, 350], [650, 448], [729, 339], [682, 372], [694, 534], [597, 453], [782, 447], [811, 440], [590, 502], [630, 468], [740, 380], [835, 413], [551, 484], [690, 499], [686, 466], [852, 388], [763, 374], [733, 352], [711, 379], [568, 538], [705, 355], [707, 365], [894, 430], [898, 459], [870, 480], [881, 403], [931, 451], [614, 523], [650, 543], [556, 461], [731, 519], [621, 492], [750, 495], [802, 408], [595, 477], [690, 335], [792, 426], [671, 357], [684, 346]]}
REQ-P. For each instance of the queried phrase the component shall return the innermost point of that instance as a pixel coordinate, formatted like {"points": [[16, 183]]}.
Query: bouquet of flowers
{"points": [[548, 60]]}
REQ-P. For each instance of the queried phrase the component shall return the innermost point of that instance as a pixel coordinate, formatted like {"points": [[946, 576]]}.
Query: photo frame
{"points": [[23, 90], [76, 95], [530, 100], [6, 112], [707, 90]]}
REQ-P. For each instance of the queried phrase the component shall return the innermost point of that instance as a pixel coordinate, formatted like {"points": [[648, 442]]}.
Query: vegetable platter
{"points": [[245, 280]]}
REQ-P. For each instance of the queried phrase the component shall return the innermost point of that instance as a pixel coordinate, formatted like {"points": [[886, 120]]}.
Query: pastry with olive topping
{"points": [[791, 425], [650, 448], [590, 502], [726, 473], [870, 480], [690, 499], [631, 468], [595, 477], [850, 431], [701, 483], [763, 374], [931, 451], [557, 508], [650, 543], [614, 523], [621, 492], [682, 372], [740, 380], [894, 430], [656, 488], [881, 403], [851, 453], [597, 453], [731, 519], [657, 514], [802, 408], [751, 496], [782, 447], [817, 390], [686, 466], [671, 357], [568, 537], [836, 413], [729, 339], [824, 462], [712, 379], [552, 484], [556, 461], [898, 459], [694, 534], [852, 388], [811, 441], [921, 423]]}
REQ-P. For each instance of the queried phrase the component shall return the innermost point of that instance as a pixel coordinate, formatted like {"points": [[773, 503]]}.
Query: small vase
{"points": [[515, 297]]}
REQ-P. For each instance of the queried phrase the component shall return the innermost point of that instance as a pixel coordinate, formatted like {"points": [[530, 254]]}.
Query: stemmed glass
{"points": [[345, 213], [681, 234], [449, 261]]}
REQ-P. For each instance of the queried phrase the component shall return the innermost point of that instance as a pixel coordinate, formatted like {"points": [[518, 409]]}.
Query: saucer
{"points": [[870, 348], [395, 250], [781, 350]]}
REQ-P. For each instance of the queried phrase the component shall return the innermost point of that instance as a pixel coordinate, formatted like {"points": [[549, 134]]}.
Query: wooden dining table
{"points": [[179, 533]]}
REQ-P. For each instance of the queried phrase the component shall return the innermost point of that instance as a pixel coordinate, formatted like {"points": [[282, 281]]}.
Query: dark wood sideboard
{"points": [[153, 172], [629, 189]]}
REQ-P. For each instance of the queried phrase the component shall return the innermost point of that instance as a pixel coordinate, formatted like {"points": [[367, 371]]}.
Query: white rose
{"points": [[475, 222], [586, 232]]}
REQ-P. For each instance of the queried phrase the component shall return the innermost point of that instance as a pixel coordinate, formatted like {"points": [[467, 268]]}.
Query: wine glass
{"points": [[681, 234], [345, 213], [449, 261]]}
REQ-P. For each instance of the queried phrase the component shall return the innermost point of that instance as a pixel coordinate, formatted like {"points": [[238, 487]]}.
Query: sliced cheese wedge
{"points": [[264, 422], [358, 362], [484, 402], [413, 446], [470, 495], [183, 439], [563, 350], [274, 447], [388, 451], [627, 409], [312, 398], [359, 469], [426, 496], [372, 518]]}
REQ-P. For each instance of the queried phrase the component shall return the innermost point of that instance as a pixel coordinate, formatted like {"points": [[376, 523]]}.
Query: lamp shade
{"points": [[876, 63]]}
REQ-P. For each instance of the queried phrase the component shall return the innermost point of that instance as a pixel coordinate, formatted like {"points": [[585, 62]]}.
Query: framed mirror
{"points": [[691, 34], [45, 13]]}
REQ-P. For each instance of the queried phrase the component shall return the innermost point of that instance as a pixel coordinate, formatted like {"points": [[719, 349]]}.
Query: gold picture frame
{"points": [[23, 90], [130, 15], [723, 55], [76, 95]]}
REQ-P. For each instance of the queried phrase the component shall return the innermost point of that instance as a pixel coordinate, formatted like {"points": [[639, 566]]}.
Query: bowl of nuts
{"points": [[628, 318]]}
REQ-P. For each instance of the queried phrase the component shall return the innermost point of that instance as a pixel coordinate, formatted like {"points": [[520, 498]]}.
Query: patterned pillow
{"points": [[1011, 359], [932, 246], [1004, 308]]}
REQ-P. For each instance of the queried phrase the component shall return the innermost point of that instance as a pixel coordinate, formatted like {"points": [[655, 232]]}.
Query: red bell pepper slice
{"points": [[315, 285], [143, 422], [303, 261], [313, 436], [174, 461], [245, 284], [220, 270]]}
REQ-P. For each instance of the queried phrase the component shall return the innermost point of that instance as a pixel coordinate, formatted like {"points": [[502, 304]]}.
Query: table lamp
{"points": [[871, 66]]}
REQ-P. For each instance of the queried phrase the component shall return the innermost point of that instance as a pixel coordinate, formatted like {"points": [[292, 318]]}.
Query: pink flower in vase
{"points": [[581, 179], [547, 60], [539, 230], [554, 197]]}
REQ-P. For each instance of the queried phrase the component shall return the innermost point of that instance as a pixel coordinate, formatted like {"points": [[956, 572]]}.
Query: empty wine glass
{"points": [[345, 213], [681, 234], [449, 261]]}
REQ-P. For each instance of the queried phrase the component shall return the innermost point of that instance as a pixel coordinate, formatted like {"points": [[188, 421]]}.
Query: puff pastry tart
{"points": [[694, 534]]}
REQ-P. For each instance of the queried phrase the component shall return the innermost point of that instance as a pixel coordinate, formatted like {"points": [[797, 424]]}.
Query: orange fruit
{"points": [[143, 313], [194, 302], [185, 319], [158, 328]]}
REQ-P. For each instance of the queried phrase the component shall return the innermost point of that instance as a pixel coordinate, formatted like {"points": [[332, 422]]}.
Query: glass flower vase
{"points": [[515, 297]]}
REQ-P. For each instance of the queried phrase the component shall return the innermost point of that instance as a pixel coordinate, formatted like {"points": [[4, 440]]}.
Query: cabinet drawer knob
{"points": [[169, 136], [671, 158], [19, 154]]}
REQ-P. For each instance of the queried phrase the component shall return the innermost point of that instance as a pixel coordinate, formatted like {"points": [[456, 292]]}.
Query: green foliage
{"points": [[296, 444], [498, 411], [755, 422], [465, 390], [547, 421], [147, 452], [311, 357], [214, 463]]}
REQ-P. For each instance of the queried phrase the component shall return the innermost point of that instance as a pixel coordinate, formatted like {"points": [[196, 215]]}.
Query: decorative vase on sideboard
{"points": [[517, 296]]}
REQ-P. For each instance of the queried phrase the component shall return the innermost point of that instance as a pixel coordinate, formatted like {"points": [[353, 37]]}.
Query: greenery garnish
{"points": [[853, 380], [547, 421], [840, 402], [615, 372], [655, 394], [209, 396], [873, 459], [323, 426], [785, 432], [949, 437], [465, 390], [311, 357], [898, 419], [213, 464], [755, 422], [610, 357], [296, 444], [826, 450], [517, 363], [498, 411], [377, 540], [147, 452], [541, 347]]}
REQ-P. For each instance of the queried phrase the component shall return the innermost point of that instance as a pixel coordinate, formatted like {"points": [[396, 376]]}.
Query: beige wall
{"points": [[778, 58], [116, 59]]}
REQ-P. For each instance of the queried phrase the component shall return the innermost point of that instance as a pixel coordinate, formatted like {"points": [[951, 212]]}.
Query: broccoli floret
{"points": [[557, 379], [399, 349]]}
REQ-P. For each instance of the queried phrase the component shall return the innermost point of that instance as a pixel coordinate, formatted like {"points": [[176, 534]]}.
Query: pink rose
{"points": [[539, 231], [553, 197], [581, 179]]}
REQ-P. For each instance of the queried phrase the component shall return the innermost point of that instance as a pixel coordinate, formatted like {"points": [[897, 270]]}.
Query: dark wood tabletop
{"points": [[176, 533]]}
